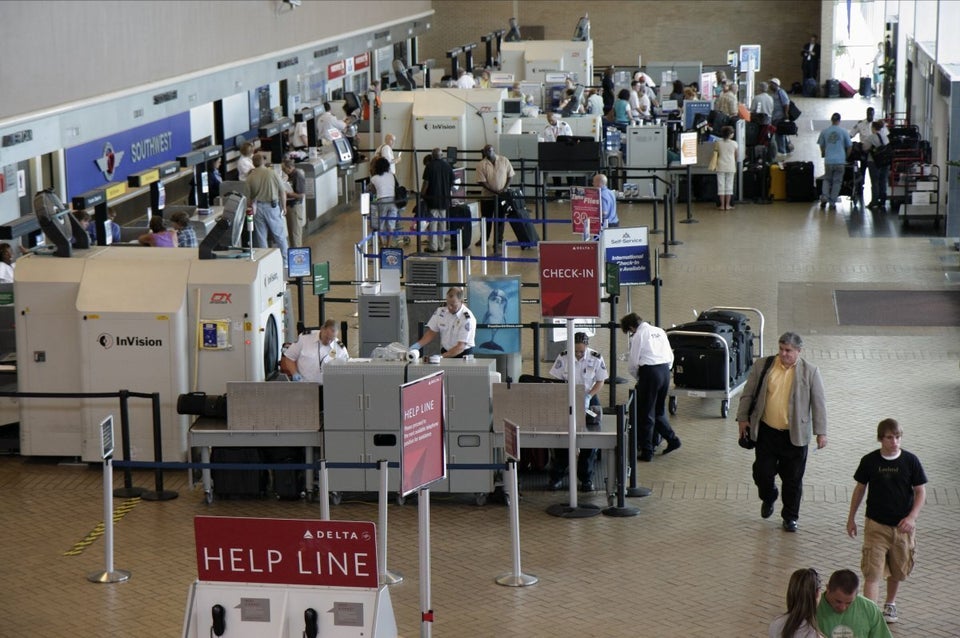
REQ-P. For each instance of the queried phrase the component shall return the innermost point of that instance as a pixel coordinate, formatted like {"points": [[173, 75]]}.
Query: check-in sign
{"points": [[570, 279], [286, 551]]}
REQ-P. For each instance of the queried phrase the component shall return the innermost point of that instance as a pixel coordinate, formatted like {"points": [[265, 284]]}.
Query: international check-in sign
{"points": [[286, 551], [630, 250], [570, 279]]}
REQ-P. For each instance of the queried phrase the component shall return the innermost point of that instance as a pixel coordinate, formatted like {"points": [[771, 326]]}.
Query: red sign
{"points": [[361, 62], [570, 279], [336, 70], [286, 551], [511, 440], [422, 455], [585, 205]]}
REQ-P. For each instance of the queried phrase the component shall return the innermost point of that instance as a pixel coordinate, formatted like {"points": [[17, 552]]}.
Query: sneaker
{"points": [[890, 612]]}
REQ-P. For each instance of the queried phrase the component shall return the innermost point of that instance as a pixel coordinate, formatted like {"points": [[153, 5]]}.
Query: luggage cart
{"points": [[730, 389]]}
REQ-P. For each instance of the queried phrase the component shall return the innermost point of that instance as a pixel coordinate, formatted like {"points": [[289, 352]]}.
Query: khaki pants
{"points": [[296, 220]]}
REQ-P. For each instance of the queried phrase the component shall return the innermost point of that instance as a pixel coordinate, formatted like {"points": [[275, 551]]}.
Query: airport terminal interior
{"points": [[692, 558]]}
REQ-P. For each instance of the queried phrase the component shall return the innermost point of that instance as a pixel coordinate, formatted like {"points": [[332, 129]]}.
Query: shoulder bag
{"points": [[400, 195], [714, 158], [793, 112], [745, 441]]}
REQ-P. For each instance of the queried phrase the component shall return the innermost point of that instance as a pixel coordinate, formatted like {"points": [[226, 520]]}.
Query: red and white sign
{"points": [[422, 454], [585, 205], [570, 279], [286, 551], [511, 440], [361, 62], [336, 70]]}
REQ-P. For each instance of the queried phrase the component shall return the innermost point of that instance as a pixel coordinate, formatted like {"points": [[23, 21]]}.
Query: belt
{"points": [[274, 203]]}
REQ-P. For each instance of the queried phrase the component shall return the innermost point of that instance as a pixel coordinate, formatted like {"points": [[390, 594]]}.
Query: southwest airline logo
{"points": [[109, 162]]}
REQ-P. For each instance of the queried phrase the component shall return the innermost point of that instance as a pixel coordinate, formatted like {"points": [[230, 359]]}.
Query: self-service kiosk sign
{"points": [[629, 248], [286, 551], [570, 279], [422, 455]]}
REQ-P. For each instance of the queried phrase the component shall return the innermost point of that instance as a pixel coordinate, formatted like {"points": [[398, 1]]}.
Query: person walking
{"points": [[649, 361], [834, 142], [894, 483], [783, 406]]}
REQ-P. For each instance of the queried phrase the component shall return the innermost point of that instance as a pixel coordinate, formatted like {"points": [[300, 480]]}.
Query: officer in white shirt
{"points": [[649, 362], [591, 371], [327, 122], [466, 80], [455, 324], [305, 359], [555, 128]]}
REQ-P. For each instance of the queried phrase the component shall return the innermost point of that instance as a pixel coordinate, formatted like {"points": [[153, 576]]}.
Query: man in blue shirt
{"points": [[608, 202], [834, 143]]}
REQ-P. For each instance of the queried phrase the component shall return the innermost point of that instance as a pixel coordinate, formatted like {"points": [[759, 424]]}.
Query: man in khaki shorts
{"points": [[895, 485]]}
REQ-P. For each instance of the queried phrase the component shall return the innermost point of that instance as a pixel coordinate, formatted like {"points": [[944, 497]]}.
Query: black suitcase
{"points": [[742, 336], [705, 188], [810, 88], [238, 483], [287, 484], [513, 206], [866, 87], [751, 131], [699, 360], [832, 88], [801, 185], [698, 367], [460, 220], [756, 182]]}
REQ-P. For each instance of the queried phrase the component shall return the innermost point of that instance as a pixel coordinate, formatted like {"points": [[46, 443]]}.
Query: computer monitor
{"points": [[512, 106]]}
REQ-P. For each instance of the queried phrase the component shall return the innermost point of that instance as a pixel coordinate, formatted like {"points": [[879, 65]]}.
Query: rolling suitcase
{"points": [[460, 220], [866, 87], [742, 336], [778, 183], [513, 205], [832, 88], [287, 485], [699, 362], [810, 88], [705, 188], [800, 184], [754, 182], [238, 483], [846, 90]]}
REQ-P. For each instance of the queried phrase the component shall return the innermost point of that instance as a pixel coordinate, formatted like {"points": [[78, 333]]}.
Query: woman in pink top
{"points": [[159, 236]]}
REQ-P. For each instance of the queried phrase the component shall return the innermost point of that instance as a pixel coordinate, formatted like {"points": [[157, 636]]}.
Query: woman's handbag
{"points": [[715, 158], [786, 127], [400, 195]]}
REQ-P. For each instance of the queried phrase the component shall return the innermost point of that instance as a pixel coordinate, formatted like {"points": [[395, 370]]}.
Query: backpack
{"points": [[882, 155]]}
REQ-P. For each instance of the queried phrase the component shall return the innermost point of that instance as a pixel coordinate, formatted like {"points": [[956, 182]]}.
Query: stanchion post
{"points": [[386, 576], [324, 493], [159, 494], [621, 510], [301, 310], [109, 575], [128, 490], [536, 348], [632, 447], [516, 578]]}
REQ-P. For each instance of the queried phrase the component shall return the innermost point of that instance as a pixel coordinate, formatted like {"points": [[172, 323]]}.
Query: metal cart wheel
{"points": [[336, 498], [208, 497], [480, 498], [401, 499], [673, 406], [724, 408]]}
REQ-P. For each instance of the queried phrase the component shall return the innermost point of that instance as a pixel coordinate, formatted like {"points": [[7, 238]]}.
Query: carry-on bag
{"points": [[238, 483], [513, 207], [801, 186], [846, 90], [460, 220]]}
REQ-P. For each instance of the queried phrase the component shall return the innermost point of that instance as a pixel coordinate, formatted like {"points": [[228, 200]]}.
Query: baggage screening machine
{"points": [[107, 318]]}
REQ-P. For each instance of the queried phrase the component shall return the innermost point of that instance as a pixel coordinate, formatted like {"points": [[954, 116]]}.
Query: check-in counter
{"points": [[321, 186]]}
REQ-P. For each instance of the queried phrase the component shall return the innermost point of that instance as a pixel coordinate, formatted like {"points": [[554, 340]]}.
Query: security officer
{"points": [[305, 359], [591, 372], [455, 324]]}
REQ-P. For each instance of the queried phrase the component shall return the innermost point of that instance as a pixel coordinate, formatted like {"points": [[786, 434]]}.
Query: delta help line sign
{"points": [[570, 279]]}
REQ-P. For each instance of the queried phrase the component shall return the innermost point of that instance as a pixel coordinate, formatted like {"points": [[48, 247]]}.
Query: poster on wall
{"points": [[496, 303]]}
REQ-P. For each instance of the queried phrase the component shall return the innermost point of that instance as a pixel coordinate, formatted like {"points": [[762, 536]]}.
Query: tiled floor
{"points": [[697, 561]]}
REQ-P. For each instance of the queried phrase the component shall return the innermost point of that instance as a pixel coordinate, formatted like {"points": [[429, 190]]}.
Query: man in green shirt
{"points": [[843, 613]]}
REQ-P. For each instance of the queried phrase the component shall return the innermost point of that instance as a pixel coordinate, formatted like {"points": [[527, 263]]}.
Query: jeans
{"points": [[878, 183], [832, 180], [269, 218]]}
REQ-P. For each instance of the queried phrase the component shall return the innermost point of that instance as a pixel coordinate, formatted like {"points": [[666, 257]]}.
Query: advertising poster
{"points": [[496, 301], [422, 455], [570, 279], [585, 205], [628, 248]]}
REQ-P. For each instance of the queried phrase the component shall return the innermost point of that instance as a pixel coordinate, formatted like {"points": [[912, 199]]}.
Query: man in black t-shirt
{"points": [[895, 485], [437, 182]]}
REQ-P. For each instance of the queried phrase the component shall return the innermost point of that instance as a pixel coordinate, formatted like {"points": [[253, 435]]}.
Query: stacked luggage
{"points": [[700, 361]]}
